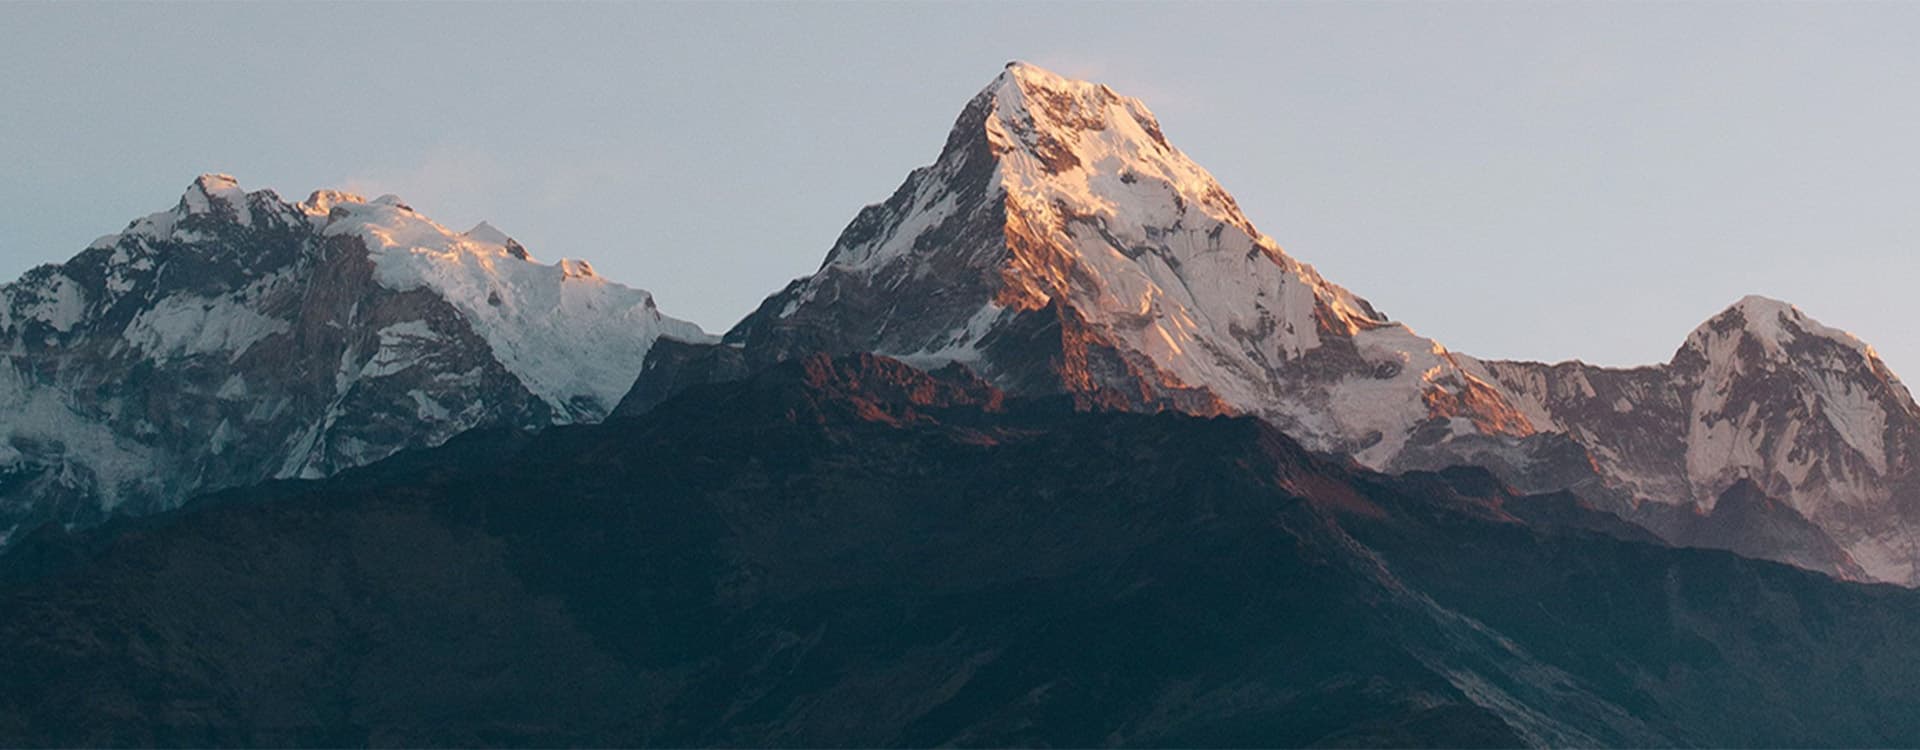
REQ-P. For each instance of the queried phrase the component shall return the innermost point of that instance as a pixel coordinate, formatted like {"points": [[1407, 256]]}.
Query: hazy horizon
{"points": [[1516, 181]]}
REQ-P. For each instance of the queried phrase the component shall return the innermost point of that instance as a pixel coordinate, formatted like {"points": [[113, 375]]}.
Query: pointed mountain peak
{"points": [[1060, 243], [1032, 77], [214, 193], [1760, 302], [210, 198], [1038, 172], [392, 201], [1764, 314], [484, 232], [1066, 124], [1079, 165], [1033, 80], [1773, 324]]}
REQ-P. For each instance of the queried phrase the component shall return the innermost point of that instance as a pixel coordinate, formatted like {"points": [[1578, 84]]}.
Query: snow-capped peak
{"points": [[1077, 154], [217, 197], [1058, 194], [1809, 409], [1773, 324], [210, 192], [1029, 73], [1054, 125]]}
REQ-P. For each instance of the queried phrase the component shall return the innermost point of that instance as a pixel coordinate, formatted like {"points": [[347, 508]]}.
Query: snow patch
{"points": [[61, 306], [79, 451], [191, 326]]}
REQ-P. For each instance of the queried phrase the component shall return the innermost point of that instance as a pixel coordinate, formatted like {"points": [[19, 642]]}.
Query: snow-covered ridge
{"points": [[563, 329]]}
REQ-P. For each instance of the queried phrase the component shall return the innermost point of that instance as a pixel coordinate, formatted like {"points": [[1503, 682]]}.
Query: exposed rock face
{"points": [[1761, 397], [238, 337]]}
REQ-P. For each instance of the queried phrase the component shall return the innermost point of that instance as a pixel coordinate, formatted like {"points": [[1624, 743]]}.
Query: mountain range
{"points": [[1055, 447], [849, 552], [1061, 244]]}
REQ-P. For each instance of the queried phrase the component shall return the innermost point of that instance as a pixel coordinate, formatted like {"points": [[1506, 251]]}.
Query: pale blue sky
{"points": [[1516, 180]]}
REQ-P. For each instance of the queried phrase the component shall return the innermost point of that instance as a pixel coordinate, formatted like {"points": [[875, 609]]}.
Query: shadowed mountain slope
{"points": [[850, 552]]}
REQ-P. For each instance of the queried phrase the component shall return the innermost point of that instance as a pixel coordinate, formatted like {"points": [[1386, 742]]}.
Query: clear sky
{"points": [[1543, 181]]}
